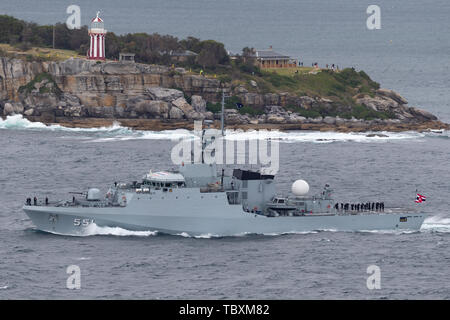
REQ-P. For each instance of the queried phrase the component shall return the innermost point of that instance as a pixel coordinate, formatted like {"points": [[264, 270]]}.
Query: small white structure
{"points": [[97, 33], [126, 57], [300, 188]]}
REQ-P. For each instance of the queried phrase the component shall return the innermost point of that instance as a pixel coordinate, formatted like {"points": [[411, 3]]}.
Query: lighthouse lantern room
{"points": [[97, 33]]}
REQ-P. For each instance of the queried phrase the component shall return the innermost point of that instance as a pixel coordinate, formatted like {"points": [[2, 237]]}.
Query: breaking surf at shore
{"points": [[117, 132]]}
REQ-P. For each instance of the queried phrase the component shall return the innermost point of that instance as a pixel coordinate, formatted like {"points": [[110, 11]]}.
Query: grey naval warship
{"points": [[198, 199]]}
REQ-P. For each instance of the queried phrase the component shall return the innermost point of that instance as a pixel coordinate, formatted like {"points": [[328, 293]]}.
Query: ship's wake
{"points": [[95, 230], [432, 224], [436, 224]]}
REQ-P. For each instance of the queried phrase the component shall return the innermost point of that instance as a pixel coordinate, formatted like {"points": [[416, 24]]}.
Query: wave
{"points": [[116, 132], [438, 134], [282, 137], [95, 230], [322, 137], [151, 135], [18, 122], [201, 236]]}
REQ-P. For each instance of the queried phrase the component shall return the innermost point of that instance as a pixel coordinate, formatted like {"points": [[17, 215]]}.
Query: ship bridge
{"points": [[164, 179]]}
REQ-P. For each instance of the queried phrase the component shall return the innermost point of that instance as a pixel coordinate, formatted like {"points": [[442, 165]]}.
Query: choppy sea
{"points": [[117, 263], [409, 54]]}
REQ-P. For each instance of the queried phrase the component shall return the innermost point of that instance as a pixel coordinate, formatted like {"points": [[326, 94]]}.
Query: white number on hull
{"points": [[82, 222]]}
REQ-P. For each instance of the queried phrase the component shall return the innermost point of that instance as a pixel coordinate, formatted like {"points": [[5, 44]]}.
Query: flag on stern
{"points": [[420, 198]]}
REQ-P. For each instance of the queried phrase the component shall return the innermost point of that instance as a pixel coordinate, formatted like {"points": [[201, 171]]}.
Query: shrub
{"points": [[29, 87]]}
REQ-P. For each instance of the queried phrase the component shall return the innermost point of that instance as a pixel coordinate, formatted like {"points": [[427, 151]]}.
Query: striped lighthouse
{"points": [[97, 33]]}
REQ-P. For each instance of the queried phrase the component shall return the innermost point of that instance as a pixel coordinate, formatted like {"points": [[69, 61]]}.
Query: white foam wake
{"points": [[436, 224], [94, 230]]}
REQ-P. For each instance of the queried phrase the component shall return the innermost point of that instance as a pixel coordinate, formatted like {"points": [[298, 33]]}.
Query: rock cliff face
{"points": [[82, 88]]}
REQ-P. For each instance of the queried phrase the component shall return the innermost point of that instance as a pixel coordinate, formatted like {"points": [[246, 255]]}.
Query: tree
{"points": [[247, 61], [212, 54], [192, 44]]}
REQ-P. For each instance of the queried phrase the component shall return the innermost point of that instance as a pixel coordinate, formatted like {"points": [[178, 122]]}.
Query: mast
{"points": [[223, 111]]}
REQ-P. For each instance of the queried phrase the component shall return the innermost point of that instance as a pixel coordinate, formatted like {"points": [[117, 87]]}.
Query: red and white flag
{"points": [[420, 198]]}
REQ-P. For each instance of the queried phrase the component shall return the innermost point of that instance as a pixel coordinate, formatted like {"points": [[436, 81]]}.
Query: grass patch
{"points": [[38, 54], [290, 71]]}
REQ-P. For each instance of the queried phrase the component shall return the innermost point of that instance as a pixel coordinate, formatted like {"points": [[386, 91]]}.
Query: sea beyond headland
{"points": [[60, 86]]}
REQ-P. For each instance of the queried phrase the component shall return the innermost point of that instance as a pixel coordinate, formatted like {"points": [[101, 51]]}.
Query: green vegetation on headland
{"points": [[210, 59], [49, 85]]}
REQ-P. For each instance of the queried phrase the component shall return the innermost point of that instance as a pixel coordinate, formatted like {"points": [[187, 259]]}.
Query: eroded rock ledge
{"points": [[87, 93]]}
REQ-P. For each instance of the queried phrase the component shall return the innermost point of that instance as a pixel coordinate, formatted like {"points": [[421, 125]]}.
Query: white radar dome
{"points": [[300, 188]]}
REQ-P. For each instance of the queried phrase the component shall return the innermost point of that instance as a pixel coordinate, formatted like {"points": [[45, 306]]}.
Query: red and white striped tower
{"points": [[97, 33]]}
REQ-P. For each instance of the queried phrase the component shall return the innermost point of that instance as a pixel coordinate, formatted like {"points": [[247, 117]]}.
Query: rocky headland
{"points": [[83, 93]]}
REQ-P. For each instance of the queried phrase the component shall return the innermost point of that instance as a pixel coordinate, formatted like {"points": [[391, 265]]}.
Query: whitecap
{"points": [[18, 122], [116, 132], [322, 137]]}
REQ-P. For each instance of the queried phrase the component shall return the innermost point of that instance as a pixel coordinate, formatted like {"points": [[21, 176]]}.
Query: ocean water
{"points": [[409, 54], [117, 263]]}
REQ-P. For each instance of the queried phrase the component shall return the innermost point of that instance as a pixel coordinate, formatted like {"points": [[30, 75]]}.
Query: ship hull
{"points": [[225, 221]]}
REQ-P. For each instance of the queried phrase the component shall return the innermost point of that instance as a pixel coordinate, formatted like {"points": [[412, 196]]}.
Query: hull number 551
{"points": [[82, 222]]}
